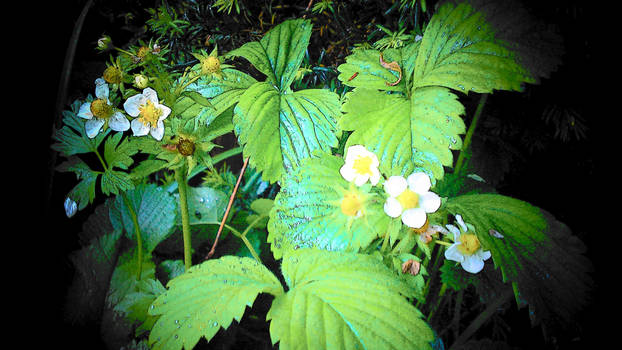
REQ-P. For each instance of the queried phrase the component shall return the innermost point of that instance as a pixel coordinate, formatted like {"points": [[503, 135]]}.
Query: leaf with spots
{"points": [[217, 290], [339, 300]]}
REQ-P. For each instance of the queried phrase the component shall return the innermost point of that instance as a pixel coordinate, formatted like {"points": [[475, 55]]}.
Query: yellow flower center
{"points": [[469, 244], [149, 113], [351, 204], [408, 199], [362, 165], [210, 65], [101, 109]]}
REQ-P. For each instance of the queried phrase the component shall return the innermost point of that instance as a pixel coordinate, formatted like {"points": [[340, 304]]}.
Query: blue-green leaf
{"points": [[307, 211]]}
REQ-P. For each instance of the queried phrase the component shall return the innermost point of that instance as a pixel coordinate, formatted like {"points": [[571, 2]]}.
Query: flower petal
{"points": [[375, 176], [138, 128], [414, 218], [118, 122], [361, 179], [430, 202], [392, 207], [151, 95], [455, 231], [472, 264], [165, 111], [354, 152], [347, 172], [452, 253], [85, 111], [419, 182], [158, 131], [395, 185], [92, 127], [484, 255], [101, 89], [132, 105], [461, 223]]}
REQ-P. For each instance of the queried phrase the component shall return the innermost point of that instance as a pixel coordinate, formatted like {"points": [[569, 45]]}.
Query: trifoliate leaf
{"points": [[308, 210], [340, 300], [534, 251], [207, 297], [406, 135], [279, 53], [459, 50], [278, 130]]}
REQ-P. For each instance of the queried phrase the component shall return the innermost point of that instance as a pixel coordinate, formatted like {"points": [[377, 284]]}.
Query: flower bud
{"points": [[71, 207], [211, 64], [112, 75], [141, 81]]}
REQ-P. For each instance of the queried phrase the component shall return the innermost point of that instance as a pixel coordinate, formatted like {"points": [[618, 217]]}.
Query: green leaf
{"points": [[208, 296], [364, 69], [279, 53], [278, 130], [406, 135], [534, 251], [223, 93], [205, 205], [340, 300], [459, 51], [155, 211], [71, 138], [307, 211], [84, 192]]}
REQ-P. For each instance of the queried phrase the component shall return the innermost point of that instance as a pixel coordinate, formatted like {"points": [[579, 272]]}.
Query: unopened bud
{"points": [[71, 207], [140, 81]]}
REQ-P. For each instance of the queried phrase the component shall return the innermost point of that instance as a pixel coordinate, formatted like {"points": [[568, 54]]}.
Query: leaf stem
{"points": [[469, 134], [139, 240], [224, 218], [242, 236], [180, 177], [482, 318]]}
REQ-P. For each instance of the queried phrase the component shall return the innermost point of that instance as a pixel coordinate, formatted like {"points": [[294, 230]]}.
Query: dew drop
{"points": [[215, 324]]}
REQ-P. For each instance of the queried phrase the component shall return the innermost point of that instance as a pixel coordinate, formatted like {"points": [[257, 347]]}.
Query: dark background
{"points": [[560, 176]]}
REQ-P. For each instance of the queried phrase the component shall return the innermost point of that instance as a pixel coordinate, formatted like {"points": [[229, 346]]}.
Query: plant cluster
{"points": [[349, 211]]}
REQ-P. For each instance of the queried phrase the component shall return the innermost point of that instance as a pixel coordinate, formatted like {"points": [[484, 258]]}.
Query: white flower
{"points": [[466, 250], [149, 112], [100, 111], [410, 198], [360, 165]]}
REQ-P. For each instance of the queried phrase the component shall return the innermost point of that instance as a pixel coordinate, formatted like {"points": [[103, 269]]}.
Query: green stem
{"points": [[242, 236], [469, 134], [180, 177], [139, 240], [482, 318]]}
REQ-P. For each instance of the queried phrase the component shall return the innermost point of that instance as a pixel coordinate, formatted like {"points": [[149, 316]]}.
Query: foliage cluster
{"points": [[181, 246]]}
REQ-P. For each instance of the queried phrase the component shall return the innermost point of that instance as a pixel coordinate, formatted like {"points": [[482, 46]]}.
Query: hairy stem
{"points": [[139, 240], [469, 134], [180, 177], [224, 218]]}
